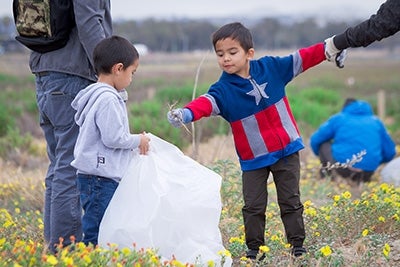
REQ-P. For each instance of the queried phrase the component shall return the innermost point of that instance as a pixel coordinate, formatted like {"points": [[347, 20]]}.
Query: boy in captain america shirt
{"points": [[250, 95]]}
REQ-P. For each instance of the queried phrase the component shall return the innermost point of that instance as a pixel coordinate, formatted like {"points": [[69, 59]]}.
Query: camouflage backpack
{"points": [[43, 25]]}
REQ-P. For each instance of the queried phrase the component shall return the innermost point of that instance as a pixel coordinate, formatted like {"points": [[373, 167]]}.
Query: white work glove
{"points": [[330, 49], [333, 54], [340, 58], [177, 117]]}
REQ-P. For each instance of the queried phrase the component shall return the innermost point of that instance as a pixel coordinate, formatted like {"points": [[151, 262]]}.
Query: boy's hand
{"points": [[144, 144], [177, 117]]}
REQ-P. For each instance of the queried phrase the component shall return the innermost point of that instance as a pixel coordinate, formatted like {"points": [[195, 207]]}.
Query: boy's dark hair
{"points": [[348, 101], [237, 32], [111, 51]]}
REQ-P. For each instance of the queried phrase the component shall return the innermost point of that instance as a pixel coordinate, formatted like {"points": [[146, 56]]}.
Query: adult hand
{"points": [[330, 49], [340, 58]]}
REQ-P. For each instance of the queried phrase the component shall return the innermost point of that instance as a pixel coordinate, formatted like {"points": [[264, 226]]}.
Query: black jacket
{"points": [[384, 23]]}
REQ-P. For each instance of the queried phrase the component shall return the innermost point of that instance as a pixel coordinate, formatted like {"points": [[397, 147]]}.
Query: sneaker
{"points": [[298, 251], [252, 254]]}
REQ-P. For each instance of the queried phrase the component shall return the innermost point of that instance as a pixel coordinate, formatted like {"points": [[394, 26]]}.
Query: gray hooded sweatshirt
{"points": [[104, 145]]}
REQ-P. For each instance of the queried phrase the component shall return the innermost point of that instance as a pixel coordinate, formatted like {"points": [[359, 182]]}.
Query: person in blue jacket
{"points": [[353, 131]]}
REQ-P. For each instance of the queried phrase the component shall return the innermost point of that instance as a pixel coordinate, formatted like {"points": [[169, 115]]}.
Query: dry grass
{"points": [[363, 74]]}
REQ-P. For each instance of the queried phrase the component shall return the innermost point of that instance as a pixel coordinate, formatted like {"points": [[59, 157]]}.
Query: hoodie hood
{"points": [[358, 107], [86, 98]]}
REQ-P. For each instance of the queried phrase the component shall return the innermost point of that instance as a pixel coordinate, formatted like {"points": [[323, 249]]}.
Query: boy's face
{"points": [[232, 58], [123, 76]]}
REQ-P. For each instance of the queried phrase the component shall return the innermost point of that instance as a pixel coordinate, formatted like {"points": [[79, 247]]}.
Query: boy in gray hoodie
{"points": [[104, 145]]}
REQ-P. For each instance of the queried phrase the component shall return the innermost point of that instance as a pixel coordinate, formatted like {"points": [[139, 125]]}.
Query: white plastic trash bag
{"points": [[391, 172], [169, 202]]}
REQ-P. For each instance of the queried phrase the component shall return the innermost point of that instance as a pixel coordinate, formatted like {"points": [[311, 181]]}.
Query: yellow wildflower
{"points": [[126, 251], [224, 253], [346, 194], [154, 259], [177, 263], [264, 249], [243, 258], [33, 262], [385, 187], [210, 263], [311, 212], [365, 232], [326, 250], [68, 261], [381, 219], [386, 250], [275, 238], [87, 259], [52, 260], [236, 239], [307, 204], [8, 223]]}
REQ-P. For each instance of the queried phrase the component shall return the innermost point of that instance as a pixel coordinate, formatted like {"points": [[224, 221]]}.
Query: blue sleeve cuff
{"points": [[187, 115]]}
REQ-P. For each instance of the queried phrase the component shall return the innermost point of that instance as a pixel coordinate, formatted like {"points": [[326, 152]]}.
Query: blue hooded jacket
{"points": [[353, 130]]}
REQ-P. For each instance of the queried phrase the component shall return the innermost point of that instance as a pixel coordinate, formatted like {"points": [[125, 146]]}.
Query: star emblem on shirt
{"points": [[258, 91]]}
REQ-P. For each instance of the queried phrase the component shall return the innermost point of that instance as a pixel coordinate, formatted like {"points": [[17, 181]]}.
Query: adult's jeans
{"points": [[96, 194], [62, 209]]}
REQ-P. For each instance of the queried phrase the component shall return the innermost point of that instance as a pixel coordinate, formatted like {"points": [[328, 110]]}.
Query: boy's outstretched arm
{"points": [[193, 111], [308, 57]]}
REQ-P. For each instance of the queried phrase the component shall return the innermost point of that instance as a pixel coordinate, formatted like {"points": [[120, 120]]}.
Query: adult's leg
{"points": [[326, 158], [62, 214], [255, 196]]}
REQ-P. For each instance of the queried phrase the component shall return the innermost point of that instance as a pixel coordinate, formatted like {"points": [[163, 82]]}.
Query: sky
{"points": [[172, 9]]}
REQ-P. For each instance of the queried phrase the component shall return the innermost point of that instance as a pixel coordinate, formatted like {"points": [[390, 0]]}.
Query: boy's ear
{"points": [[250, 53], [117, 67]]}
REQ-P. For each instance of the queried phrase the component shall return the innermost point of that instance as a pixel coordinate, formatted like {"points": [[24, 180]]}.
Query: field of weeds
{"points": [[346, 225]]}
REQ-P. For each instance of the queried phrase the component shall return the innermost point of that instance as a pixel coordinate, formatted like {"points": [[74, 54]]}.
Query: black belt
{"points": [[92, 176], [42, 73]]}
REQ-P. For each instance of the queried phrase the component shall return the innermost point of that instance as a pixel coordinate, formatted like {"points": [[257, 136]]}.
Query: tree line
{"points": [[189, 35], [268, 33]]}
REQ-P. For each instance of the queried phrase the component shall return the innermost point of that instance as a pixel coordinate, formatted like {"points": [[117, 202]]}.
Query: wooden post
{"points": [[381, 104]]}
